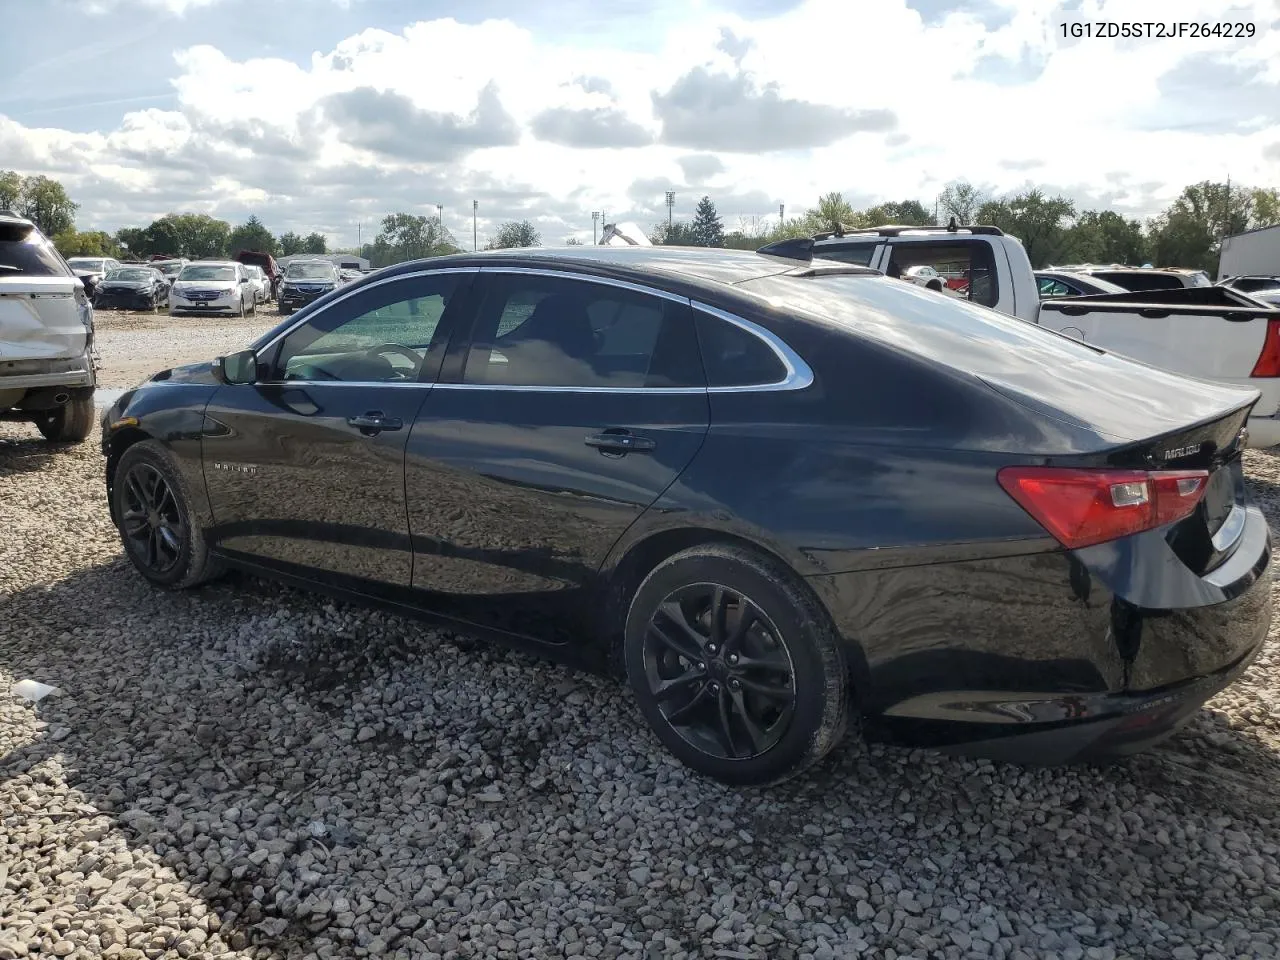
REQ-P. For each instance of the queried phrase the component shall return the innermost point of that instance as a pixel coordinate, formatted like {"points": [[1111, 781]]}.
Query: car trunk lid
{"points": [[41, 317]]}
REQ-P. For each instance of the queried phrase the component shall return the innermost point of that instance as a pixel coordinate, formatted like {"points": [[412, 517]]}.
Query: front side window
{"points": [[381, 335], [540, 331]]}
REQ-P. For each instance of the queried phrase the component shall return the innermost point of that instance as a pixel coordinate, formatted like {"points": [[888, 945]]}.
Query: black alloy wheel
{"points": [[736, 665], [719, 671], [152, 522]]}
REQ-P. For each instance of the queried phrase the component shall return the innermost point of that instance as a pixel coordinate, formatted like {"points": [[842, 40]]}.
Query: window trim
{"points": [[799, 375]]}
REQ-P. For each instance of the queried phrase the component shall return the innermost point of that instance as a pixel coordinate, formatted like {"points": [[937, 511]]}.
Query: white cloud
{"points": [[175, 7], [443, 111]]}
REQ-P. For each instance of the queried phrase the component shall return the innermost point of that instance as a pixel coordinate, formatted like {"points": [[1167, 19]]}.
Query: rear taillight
{"points": [[1268, 364], [1084, 507]]}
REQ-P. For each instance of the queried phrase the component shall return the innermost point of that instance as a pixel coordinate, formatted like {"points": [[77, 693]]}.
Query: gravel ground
{"points": [[132, 346], [255, 772]]}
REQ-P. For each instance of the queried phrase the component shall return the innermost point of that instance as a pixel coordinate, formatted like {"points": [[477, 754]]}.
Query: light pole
{"points": [[475, 235], [440, 213], [595, 218], [671, 202], [782, 213]]}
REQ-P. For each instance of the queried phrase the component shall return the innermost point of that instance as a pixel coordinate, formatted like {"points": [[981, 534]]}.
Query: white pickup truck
{"points": [[1211, 333]]}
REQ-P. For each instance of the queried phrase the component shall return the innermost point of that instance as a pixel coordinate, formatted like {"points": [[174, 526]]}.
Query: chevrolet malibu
{"points": [[777, 496]]}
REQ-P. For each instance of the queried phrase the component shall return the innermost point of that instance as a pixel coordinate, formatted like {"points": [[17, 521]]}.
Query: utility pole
{"points": [[475, 235], [595, 218], [671, 203], [935, 207], [360, 234], [782, 213]]}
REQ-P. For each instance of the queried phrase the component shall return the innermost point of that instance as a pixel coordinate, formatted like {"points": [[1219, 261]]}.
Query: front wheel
{"points": [[152, 508], [736, 666], [70, 423]]}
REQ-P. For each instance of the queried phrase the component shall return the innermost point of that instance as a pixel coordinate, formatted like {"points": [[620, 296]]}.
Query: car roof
{"points": [[702, 265], [214, 263]]}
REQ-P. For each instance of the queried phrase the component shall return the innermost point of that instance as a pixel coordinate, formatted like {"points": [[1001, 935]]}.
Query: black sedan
{"points": [[1064, 283], [772, 494], [133, 288]]}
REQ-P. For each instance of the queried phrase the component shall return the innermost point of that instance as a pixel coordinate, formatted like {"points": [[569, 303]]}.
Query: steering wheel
{"points": [[411, 355]]}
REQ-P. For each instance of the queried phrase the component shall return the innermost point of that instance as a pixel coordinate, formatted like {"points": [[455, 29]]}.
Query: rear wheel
{"points": [[153, 510], [735, 665], [70, 423]]}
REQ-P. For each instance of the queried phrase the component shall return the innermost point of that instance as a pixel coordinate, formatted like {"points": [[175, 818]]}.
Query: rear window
{"points": [[24, 252]]}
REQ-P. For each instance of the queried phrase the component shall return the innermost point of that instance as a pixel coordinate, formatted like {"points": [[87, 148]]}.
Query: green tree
{"points": [[251, 235], [572, 242], [290, 243], [1266, 208], [902, 212], [10, 190], [708, 228], [1190, 230], [134, 240], [832, 213], [515, 233], [1034, 219], [961, 200], [91, 243], [315, 243], [676, 235], [1104, 236], [46, 204], [405, 236]]}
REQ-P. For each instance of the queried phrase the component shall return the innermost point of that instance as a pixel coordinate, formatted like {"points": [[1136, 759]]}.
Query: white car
{"points": [[212, 288], [99, 267], [48, 366], [258, 280], [926, 277]]}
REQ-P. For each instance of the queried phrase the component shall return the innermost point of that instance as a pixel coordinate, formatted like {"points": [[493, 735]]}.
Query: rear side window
{"points": [[855, 253], [539, 331], [24, 252], [734, 357]]}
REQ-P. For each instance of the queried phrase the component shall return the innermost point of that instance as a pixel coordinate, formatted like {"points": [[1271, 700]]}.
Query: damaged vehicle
{"points": [[48, 367]]}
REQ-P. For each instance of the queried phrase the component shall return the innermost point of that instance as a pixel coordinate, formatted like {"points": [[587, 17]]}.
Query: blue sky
{"points": [[320, 114]]}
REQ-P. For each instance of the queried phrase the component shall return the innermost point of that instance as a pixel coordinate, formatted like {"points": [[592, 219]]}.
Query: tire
{"points": [[189, 564], [794, 652], [242, 307], [70, 423], [935, 285]]}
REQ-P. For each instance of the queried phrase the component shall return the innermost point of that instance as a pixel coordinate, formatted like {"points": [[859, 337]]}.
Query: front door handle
{"points": [[374, 422], [620, 442]]}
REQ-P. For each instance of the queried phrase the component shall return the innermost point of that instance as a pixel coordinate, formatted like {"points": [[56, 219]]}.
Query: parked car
{"points": [[1139, 279], [924, 276], [212, 287], [348, 275], [306, 281], [133, 288], [1063, 283], [267, 263], [47, 361], [96, 267], [655, 458], [169, 269], [1202, 331], [258, 280]]}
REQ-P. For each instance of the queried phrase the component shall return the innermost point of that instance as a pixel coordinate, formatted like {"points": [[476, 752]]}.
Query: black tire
{"points": [[189, 563], [935, 285], [792, 722], [70, 423]]}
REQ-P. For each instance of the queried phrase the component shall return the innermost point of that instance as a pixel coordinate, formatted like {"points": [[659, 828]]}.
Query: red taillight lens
{"points": [[1268, 364], [1084, 507]]}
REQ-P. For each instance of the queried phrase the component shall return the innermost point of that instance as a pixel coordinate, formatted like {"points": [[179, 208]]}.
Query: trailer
{"points": [[1250, 254]]}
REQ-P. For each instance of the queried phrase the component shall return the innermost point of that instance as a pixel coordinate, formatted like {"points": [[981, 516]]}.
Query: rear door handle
{"points": [[620, 443], [375, 422]]}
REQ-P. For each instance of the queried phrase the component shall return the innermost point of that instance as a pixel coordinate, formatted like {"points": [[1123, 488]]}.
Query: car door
{"points": [[305, 468], [574, 403]]}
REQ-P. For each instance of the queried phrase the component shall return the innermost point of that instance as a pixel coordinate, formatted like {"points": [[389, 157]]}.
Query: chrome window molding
{"points": [[361, 289], [798, 376]]}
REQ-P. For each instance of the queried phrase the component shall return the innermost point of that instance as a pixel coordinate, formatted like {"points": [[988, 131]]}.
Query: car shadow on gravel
{"points": [[324, 777], [29, 454]]}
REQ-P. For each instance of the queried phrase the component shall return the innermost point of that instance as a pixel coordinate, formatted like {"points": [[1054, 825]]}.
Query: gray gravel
{"points": [[251, 771]]}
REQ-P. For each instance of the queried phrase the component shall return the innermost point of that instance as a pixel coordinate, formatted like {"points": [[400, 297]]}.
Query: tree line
{"points": [[1188, 233]]}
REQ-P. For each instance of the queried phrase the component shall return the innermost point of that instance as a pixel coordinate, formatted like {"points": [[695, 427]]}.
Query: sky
{"points": [[326, 115]]}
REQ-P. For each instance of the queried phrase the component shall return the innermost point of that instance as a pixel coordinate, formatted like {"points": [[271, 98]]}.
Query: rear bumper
{"points": [[1264, 431], [1054, 656], [68, 372]]}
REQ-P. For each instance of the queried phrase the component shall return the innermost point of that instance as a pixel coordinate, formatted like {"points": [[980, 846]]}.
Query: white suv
{"points": [[48, 367]]}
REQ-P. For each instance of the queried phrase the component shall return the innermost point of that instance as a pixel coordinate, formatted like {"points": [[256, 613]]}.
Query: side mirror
{"points": [[236, 368]]}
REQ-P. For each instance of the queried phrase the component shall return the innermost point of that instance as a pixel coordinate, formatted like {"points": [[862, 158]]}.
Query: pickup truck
{"points": [[1211, 333]]}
